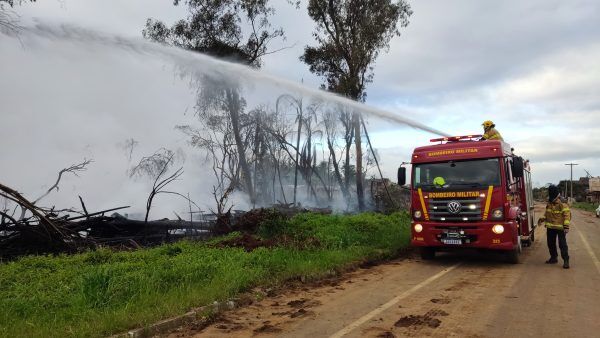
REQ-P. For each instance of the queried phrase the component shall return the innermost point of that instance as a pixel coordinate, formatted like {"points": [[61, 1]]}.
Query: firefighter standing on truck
{"points": [[490, 132], [557, 220]]}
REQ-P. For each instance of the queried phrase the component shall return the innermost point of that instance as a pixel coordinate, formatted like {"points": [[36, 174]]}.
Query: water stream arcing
{"points": [[70, 93], [214, 67]]}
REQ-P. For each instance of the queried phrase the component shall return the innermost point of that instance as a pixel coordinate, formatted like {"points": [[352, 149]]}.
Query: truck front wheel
{"points": [[514, 256], [427, 253]]}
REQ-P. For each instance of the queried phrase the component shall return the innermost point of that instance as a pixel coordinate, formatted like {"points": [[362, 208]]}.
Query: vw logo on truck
{"points": [[454, 207]]}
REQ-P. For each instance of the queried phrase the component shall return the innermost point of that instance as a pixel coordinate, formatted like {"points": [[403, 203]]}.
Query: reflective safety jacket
{"points": [[492, 134], [557, 216]]}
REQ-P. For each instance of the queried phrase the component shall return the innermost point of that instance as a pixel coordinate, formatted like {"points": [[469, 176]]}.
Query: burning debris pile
{"points": [[248, 222], [39, 230]]}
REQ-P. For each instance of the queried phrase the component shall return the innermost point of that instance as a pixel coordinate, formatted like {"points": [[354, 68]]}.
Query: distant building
{"points": [[593, 194]]}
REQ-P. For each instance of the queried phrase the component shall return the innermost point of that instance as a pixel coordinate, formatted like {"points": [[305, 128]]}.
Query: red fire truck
{"points": [[470, 194]]}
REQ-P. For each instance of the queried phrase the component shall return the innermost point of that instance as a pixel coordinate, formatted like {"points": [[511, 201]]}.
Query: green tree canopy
{"points": [[350, 34], [214, 27]]}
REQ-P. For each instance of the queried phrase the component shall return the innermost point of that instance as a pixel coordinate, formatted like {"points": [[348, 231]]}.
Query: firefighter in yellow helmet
{"points": [[490, 132], [557, 220]]}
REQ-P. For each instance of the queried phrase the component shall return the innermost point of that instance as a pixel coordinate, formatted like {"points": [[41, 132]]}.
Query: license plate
{"points": [[452, 241]]}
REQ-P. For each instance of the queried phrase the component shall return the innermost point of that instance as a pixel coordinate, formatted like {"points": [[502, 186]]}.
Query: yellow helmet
{"points": [[439, 181], [487, 124]]}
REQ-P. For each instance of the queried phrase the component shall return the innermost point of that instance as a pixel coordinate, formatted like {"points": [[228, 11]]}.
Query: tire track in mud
{"points": [[362, 320], [449, 307], [321, 309]]}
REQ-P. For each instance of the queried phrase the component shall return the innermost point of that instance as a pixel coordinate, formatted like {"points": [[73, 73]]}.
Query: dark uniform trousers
{"points": [[562, 243]]}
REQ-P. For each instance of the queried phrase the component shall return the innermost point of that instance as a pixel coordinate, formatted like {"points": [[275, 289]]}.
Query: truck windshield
{"points": [[456, 174]]}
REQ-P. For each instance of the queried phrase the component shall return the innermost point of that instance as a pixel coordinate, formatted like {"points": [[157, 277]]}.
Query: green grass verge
{"points": [[585, 206], [103, 292]]}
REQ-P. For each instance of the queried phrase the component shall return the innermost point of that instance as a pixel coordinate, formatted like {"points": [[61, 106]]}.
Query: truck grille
{"points": [[442, 210]]}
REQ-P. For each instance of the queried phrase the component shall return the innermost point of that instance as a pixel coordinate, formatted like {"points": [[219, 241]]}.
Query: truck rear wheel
{"points": [[427, 253]]}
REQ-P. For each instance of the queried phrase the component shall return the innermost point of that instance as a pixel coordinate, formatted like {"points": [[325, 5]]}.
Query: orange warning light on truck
{"points": [[469, 194]]}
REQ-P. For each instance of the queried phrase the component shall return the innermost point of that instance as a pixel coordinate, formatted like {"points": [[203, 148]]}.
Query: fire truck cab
{"points": [[470, 194]]}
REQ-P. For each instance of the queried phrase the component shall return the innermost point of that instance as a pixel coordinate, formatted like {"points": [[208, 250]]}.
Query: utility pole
{"points": [[571, 165]]}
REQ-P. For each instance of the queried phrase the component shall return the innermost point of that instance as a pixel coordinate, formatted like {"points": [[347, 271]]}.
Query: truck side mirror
{"points": [[517, 167], [401, 176]]}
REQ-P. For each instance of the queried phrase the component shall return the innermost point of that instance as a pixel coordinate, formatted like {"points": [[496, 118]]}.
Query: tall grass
{"points": [[585, 206], [103, 292]]}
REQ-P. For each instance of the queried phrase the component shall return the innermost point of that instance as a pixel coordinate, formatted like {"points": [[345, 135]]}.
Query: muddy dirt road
{"points": [[462, 295]]}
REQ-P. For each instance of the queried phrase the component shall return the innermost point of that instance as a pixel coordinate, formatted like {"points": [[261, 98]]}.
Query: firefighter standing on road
{"points": [[557, 220], [490, 132]]}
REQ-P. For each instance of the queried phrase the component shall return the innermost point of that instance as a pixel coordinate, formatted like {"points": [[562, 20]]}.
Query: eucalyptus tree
{"points": [[238, 30], [349, 36]]}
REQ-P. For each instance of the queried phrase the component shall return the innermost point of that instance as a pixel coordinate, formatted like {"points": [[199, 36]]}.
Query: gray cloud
{"points": [[455, 45]]}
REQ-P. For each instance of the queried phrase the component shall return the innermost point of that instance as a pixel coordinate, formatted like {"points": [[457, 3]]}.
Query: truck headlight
{"points": [[418, 214], [418, 228], [498, 229], [497, 213]]}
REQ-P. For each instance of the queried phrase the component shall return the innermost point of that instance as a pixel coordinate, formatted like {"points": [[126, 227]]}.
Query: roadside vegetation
{"points": [[102, 292], [591, 207]]}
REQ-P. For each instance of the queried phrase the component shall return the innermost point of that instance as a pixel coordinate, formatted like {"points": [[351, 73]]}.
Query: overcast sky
{"points": [[530, 66]]}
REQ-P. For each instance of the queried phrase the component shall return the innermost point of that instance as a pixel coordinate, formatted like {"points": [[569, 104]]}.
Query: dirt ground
{"points": [[457, 294]]}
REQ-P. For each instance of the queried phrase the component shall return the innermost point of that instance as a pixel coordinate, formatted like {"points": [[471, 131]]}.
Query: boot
{"points": [[552, 260], [566, 264]]}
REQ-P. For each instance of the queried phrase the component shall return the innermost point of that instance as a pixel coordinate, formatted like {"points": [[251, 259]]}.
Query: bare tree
{"points": [[345, 118], [330, 123], [129, 146], [266, 157], [301, 146], [156, 166], [278, 129], [74, 169], [297, 104], [217, 140]]}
